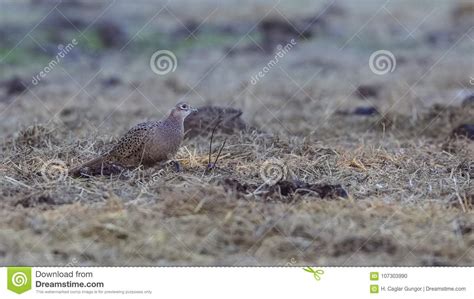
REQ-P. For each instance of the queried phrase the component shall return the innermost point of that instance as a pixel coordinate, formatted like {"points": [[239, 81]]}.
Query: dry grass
{"points": [[409, 181]]}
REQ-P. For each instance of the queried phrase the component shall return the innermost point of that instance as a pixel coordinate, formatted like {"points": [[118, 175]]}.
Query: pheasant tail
{"points": [[93, 163]]}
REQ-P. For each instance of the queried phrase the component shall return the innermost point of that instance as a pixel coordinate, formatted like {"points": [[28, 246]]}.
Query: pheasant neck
{"points": [[175, 121]]}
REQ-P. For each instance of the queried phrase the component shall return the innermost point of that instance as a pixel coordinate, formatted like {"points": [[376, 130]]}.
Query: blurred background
{"points": [[219, 47]]}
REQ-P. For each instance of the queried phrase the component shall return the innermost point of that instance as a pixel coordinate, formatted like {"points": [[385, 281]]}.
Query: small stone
{"points": [[365, 111], [111, 81]]}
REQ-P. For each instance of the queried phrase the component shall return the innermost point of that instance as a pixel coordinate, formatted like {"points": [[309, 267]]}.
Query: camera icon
{"points": [[374, 289]]}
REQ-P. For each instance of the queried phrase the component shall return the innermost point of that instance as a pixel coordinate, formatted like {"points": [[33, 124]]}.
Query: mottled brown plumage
{"points": [[145, 144]]}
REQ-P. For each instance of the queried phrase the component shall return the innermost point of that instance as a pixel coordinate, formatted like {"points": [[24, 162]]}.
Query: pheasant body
{"points": [[145, 144]]}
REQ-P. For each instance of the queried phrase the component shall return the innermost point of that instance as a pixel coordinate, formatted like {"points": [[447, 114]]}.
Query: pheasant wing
{"points": [[132, 143]]}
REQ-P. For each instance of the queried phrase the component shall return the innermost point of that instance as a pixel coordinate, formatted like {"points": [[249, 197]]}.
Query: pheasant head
{"points": [[181, 111]]}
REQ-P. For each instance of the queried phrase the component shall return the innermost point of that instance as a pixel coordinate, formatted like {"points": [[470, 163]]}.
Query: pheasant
{"points": [[145, 144]]}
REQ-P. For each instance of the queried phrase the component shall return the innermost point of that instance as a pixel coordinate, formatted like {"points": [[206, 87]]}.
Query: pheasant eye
{"points": [[184, 106]]}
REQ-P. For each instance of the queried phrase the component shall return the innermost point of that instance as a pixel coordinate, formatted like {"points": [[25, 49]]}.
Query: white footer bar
{"points": [[236, 282]]}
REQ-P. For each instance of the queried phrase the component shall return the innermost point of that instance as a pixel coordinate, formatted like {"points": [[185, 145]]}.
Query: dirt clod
{"points": [[111, 81], [287, 188], [202, 122], [111, 34], [368, 91], [464, 130], [15, 85], [469, 100]]}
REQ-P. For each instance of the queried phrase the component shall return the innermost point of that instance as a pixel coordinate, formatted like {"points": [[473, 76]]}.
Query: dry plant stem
{"points": [[212, 165]]}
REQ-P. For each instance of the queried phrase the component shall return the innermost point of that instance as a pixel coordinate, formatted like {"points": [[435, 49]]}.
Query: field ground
{"points": [[373, 169]]}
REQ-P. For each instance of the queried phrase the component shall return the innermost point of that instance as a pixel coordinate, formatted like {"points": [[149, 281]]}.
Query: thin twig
{"points": [[210, 165], [210, 142], [220, 151]]}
